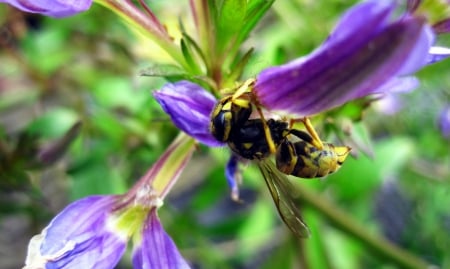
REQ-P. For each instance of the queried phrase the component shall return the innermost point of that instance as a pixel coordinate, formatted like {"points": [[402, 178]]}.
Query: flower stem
{"points": [[146, 24], [203, 23], [161, 177], [344, 222]]}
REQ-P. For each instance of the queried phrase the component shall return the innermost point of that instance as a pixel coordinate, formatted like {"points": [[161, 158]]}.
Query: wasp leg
{"points": [[302, 135], [317, 142], [267, 133], [315, 139]]}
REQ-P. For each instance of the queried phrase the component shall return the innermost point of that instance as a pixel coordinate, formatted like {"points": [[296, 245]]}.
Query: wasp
{"points": [[298, 153]]}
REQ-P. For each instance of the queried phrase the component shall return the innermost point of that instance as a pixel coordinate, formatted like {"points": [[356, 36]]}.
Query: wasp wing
{"points": [[280, 189]]}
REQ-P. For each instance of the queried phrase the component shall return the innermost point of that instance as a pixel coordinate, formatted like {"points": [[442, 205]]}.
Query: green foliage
{"points": [[230, 20], [90, 68]]}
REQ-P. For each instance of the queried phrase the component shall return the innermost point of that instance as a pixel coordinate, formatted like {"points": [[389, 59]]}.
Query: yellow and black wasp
{"points": [[298, 153]]}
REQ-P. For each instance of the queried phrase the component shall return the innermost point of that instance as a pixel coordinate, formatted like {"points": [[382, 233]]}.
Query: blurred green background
{"points": [[56, 72]]}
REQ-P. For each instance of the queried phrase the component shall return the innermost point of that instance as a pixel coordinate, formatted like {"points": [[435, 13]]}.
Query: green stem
{"points": [[205, 30], [147, 25], [165, 172], [344, 222]]}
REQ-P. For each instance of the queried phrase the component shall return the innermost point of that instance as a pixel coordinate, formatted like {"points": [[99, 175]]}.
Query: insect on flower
{"points": [[298, 153]]}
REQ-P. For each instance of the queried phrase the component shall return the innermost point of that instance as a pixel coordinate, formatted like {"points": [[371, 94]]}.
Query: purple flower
{"points": [[93, 232], [79, 237], [233, 176], [366, 52], [189, 106], [55, 8], [157, 249], [444, 122]]}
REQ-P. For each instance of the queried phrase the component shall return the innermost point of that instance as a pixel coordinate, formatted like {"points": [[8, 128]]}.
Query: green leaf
{"points": [[256, 9], [238, 68], [189, 57], [175, 73], [230, 22], [163, 70], [191, 43]]}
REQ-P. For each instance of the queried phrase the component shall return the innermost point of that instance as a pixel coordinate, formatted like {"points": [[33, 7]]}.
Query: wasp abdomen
{"points": [[302, 159]]}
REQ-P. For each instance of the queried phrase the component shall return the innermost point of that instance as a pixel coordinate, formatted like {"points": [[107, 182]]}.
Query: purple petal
{"points": [[189, 106], [444, 122], [398, 85], [390, 102], [157, 249], [232, 175], [376, 17], [351, 64], [55, 8], [416, 54], [79, 237], [389, 105], [437, 54]]}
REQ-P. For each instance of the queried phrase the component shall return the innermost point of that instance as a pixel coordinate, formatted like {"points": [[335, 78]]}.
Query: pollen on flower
{"points": [[146, 196]]}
